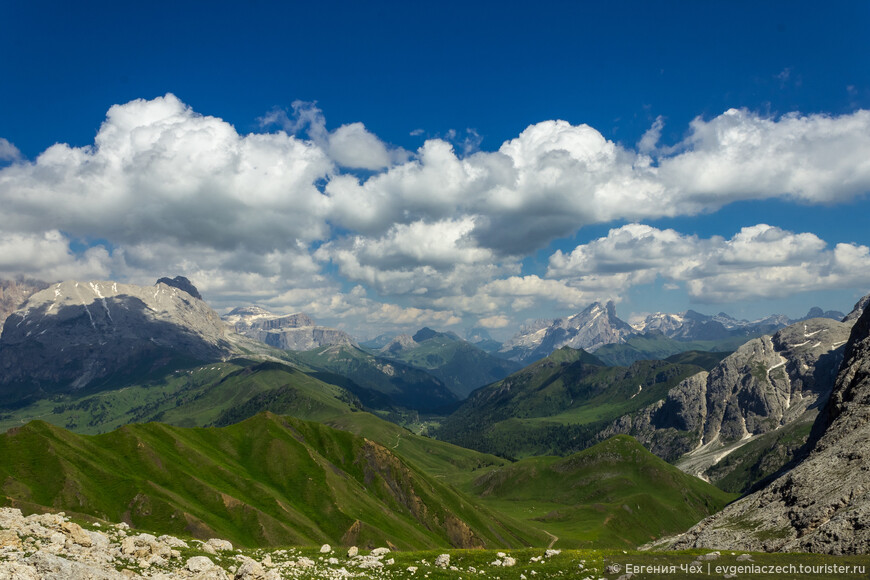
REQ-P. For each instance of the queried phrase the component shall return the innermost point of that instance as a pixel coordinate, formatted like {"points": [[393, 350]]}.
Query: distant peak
{"points": [[424, 333], [248, 311], [181, 283]]}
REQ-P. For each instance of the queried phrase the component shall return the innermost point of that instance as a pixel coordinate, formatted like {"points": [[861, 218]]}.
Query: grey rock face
{"points": [[858, 309], [398, 344], [596, 326], [181, 283], [290, 332], [14, 293], [823, 504], [767, 383], [77, 334]]}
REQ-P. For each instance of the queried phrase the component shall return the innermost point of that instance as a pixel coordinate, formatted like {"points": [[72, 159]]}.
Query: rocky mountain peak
{"points": [[181, 283], [858, 309], [424, 333], [400, 343], [822, 504], [589, 329], [296, 331]]}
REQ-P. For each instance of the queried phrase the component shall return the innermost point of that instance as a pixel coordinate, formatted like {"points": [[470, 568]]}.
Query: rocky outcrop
{"points": [[858, 309], [768, 383], [50, 547], [181, 283], [590, 329], [287, 332], [80, 334], [400, 343], [14, 293], [823, 504]]}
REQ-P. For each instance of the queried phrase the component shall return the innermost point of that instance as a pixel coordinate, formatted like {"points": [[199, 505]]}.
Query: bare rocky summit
{"points": [[401, 343], [822, 504], [590, 329], [181, 283], [287, 332]]}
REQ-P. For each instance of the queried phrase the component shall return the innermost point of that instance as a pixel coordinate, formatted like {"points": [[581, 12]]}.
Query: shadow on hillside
{"points": [[90, 347]]}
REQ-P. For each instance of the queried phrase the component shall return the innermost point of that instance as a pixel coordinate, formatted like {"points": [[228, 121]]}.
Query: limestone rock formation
{"points": [[287, 332], [590, 329], [768, 383], [181, 283], [400, 343], [823, 504]]}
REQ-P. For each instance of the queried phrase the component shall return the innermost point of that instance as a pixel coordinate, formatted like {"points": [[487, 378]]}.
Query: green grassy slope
{"points": [[196, 396], [658, 346], [558, 404], [461, 366], [404, 385], [615, 493], [266, 481]]}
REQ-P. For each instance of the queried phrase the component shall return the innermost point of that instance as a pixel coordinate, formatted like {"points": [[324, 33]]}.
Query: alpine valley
{"points": [[140, 406]]}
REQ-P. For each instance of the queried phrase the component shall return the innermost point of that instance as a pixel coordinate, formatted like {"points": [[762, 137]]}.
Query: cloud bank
{"points": [[349, 228]]}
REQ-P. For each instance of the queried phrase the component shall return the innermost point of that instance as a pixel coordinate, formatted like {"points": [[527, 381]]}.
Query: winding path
{"points": [[553, 541]]}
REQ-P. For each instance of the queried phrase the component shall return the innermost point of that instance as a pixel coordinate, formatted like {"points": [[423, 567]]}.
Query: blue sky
{"points": [[710, 155]]}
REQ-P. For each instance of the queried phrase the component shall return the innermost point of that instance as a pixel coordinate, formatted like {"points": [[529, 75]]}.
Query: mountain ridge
{"points": [[74, 335], [822, 503]]}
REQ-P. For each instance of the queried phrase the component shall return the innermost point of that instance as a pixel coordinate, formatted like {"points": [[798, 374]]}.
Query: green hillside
{"points": [[402, 384], [579, 499], [266, 481], [219, 392], [658, 346], [460, 365], [615, 493], [557, 405]]}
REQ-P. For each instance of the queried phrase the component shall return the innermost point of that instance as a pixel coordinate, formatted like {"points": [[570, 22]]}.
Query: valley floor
{"points": [[53, 547]]}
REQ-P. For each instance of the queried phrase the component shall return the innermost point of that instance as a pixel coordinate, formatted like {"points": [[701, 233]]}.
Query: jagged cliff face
{"points": [[291, 332], [823, 504], [76, 334], [768, 383], [596, 326]]}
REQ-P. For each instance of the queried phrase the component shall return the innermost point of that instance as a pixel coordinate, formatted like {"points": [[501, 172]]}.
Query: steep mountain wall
{"points": [[823, 504], [768, 383], [290, 332], [75, 334]]}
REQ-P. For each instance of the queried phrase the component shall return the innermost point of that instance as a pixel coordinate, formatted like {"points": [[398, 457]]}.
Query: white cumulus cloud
{"points": [[760, 261], [297, 213]]}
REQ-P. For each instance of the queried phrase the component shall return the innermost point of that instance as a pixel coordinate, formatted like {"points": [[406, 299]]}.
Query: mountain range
{"points": [[73, 336], [598, 327], [556, 405], [271, 427]]}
